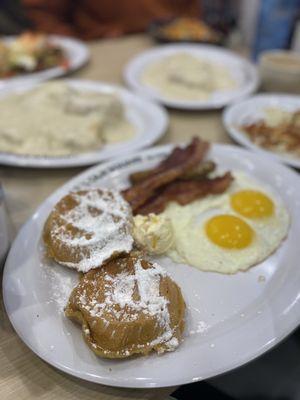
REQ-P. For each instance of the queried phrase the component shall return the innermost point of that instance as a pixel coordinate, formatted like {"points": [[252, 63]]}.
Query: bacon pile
{"points": [[181, 177]]}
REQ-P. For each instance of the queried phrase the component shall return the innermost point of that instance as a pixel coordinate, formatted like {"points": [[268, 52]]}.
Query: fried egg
{"points": [[229, 232]]}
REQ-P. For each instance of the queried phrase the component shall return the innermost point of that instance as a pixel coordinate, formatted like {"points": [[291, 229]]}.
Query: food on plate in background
{"points": [[29, 52], [187, 29], [129, 306], [274, 116], [278, 130], [55, 119], [182, 76], [87, 228]]}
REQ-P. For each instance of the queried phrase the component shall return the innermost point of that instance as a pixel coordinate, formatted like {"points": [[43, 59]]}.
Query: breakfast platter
{"points": [[238, 302], [192, 77], [75, 53], [74, 123], [268, 124]]}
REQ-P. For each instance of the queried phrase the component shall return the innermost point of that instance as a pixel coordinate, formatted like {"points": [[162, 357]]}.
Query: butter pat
{"points": [[153, 233]]}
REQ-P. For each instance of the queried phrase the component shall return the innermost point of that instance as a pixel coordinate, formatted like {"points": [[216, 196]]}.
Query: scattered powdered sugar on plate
{"points": [[61, 283], [201, 327]]}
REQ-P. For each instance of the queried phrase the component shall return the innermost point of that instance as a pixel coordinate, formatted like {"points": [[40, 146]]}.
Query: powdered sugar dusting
{"points": [[145, 284], [103, 219], [200, 328], [61, 284], [123, 287]]}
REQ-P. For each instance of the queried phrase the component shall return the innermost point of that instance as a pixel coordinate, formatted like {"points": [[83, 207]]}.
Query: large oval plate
{"points": [[242, 71], [76, 52], [231, 319], [149, 120]]}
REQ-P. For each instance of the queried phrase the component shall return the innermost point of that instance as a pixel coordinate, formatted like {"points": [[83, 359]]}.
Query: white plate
{"points": [[250, 110], [242, 71], [77, 54], [149, 119], [230, 319]]}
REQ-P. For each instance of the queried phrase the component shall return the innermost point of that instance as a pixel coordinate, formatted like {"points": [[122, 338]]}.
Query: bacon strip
{"points": [[172, 160], [180, 161], [184, 192], [198, 172]]}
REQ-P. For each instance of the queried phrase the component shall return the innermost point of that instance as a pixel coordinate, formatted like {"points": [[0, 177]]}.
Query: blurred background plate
{"points": [[251, 110], [149, 119], [242, 71], [76, 52]]}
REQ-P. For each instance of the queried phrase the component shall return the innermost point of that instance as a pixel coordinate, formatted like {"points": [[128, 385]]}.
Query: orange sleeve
{"points": [[50, 16]]}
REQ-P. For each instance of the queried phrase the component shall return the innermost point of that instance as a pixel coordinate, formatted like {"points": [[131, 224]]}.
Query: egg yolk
{"points": [[252, 204], [229, 231]]}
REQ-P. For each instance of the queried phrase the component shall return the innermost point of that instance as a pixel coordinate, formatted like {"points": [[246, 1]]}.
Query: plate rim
{"points": [[73, 161], [240, 138], [126, 383], [133, 83]]}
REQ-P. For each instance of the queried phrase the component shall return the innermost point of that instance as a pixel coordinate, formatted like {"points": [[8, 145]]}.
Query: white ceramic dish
{"points": [[252, 109], [149, 119], [230, 319], [242, 71], [77, 54]]}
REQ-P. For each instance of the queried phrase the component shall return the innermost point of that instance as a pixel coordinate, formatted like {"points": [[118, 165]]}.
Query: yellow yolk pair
{"points": [[232, 232]]}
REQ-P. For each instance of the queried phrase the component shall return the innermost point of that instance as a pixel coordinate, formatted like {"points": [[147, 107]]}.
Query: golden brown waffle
{"points": [[87, 228], [130, 306]]}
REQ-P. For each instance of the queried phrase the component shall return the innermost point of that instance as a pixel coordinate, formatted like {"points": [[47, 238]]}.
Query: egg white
{"points": [[193, 247]]}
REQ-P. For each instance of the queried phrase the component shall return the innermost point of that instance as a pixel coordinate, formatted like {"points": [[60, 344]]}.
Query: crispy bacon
{"points": [[198, 172], [180, 161], [172, 160], [184, 192]]}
